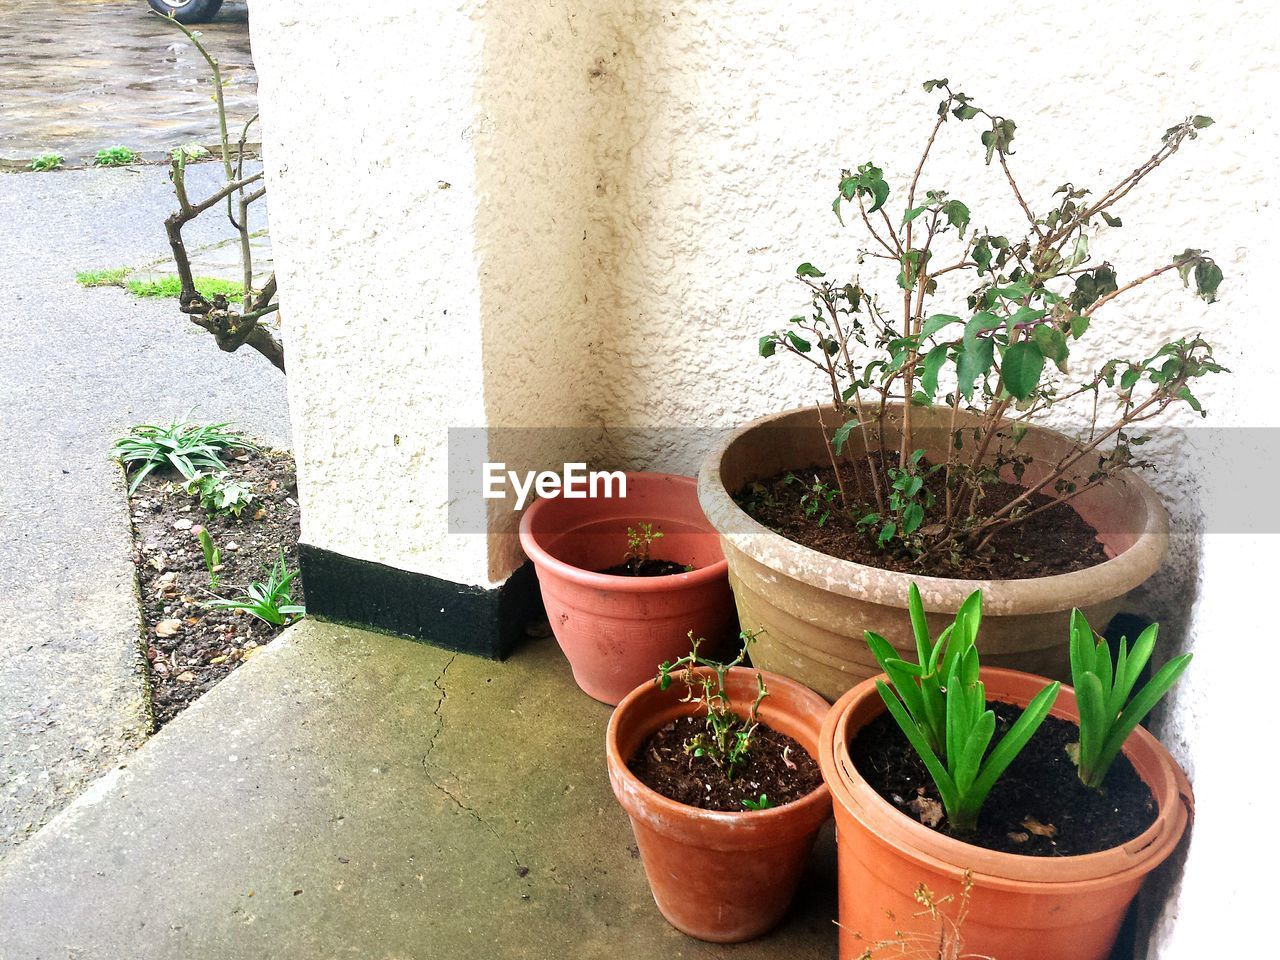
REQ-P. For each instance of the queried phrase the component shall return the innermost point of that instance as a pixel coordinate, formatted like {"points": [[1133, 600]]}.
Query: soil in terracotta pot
{"points": [[1038, 807], [779, 767], [649, 568], [1055, 541]]}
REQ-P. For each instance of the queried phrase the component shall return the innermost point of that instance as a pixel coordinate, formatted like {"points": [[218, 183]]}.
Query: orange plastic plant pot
{"points": [[1018, 907], [616, 630], [716, 875]]}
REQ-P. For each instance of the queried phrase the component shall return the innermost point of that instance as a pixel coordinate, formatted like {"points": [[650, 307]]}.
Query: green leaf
{"points": [[946, 786], [1091, 700], [1051, 341], [879, 193], [1208, 277], [1200, 122], [912, 214], [1133, 714], [935, 323], [919, 624], [998, 138], [957, 214], [807, 269], [1015, 291], [974, 361], [768, 345], [881, 649], [841, 436], [798, 342], [933, 363], [982, 254], [1021, 368], [1112, 221], [1013, 741]]}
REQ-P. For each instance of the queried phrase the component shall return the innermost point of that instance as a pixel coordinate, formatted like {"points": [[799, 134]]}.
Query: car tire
{"points": [[187, 11]]}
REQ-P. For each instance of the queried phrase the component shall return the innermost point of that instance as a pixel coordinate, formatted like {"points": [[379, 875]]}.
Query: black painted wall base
{"points": [[470, 619]]}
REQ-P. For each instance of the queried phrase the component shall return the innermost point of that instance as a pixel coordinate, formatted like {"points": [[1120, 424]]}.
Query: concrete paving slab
{"points": [[348, 794]]}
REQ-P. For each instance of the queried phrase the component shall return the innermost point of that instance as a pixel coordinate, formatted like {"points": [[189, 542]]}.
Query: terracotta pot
{"points": [[1020, 907], [813, 609], [615, 630], [718, 875]]}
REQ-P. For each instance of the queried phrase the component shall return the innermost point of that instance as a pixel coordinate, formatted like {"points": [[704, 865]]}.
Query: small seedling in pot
{"points": [[1107, 715], [212, 555], [639, 541], [219, 493], [941, 707], [818, 499], [764, 803], [726, 740]]}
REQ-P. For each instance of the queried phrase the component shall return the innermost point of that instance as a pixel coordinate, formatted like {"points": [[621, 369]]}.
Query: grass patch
{"points": [[102, 278], [208, 287]]}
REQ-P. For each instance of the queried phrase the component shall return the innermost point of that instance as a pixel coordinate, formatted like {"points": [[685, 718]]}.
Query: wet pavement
{"points": [[80, 75], [78, 367]]}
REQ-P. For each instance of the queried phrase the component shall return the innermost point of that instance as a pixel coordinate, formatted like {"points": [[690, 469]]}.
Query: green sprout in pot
{"points": [[726, 740], [1107, 715], [941, 707], [639, 541]]}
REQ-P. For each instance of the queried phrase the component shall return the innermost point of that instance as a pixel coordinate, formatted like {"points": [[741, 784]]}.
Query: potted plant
{"points": [[716, 766], [925, 463], [1039, 807], [625, 579]]}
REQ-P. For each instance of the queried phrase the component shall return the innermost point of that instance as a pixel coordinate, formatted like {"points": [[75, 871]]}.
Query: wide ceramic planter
{"points": [[616, 630], [717, 875], [812, 609], [1019, 907]]}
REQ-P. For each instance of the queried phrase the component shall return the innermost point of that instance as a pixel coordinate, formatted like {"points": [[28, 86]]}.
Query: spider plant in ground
{"points": [[267, 600], [191, 449]]}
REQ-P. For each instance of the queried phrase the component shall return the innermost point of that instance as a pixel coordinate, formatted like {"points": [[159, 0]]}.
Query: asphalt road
{"points": [[77, 367]]}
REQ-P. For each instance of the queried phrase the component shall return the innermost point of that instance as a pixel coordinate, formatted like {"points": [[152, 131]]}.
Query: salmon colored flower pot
{"points": [[616, 630], [813, 608], [718, 875], [1019, 907]]}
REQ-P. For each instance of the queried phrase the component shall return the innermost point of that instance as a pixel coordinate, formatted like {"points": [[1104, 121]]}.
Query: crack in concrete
{"points": [[437, 713]]}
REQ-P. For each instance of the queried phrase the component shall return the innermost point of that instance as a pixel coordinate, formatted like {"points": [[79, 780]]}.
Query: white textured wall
{"points": [[632, 186]]}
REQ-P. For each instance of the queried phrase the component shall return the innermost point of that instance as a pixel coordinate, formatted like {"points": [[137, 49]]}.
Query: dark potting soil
{"points": [[1055, 541], [778, 767], [190, 647], [1038, 807], [649, 568]]}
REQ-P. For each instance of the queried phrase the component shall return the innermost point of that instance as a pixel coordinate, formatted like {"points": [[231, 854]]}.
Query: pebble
{"points": [[183, 524]]}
